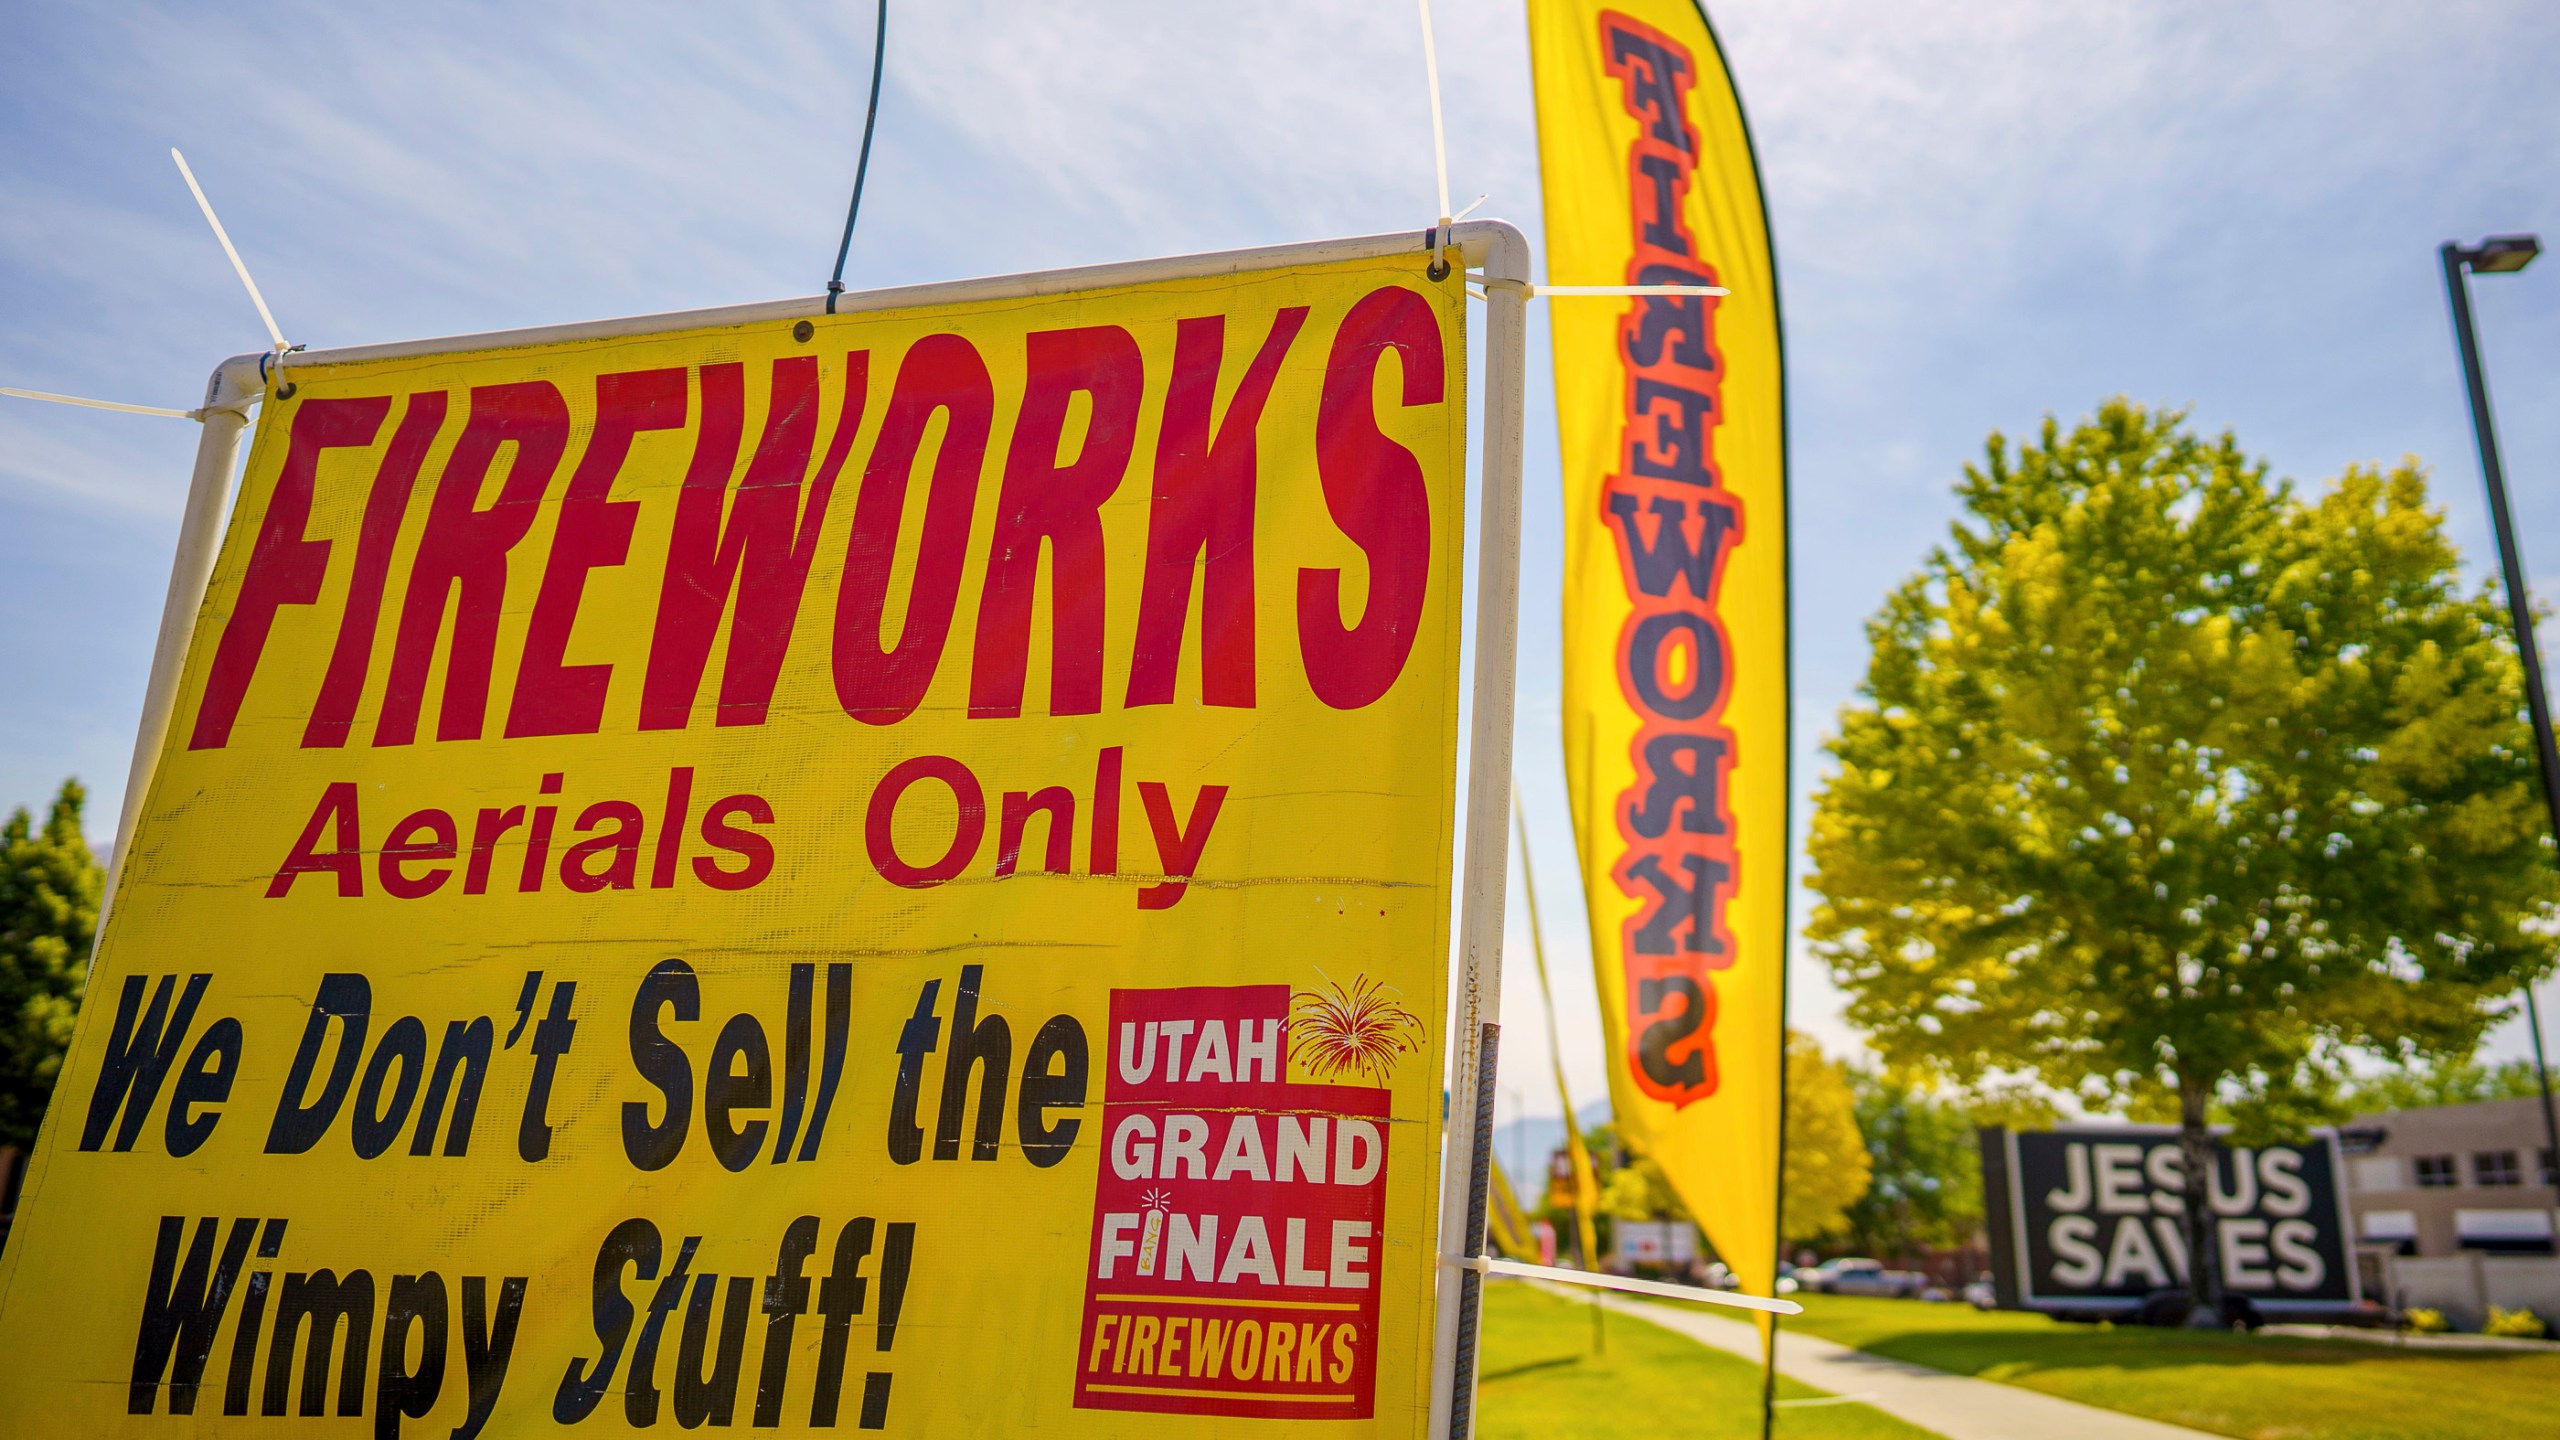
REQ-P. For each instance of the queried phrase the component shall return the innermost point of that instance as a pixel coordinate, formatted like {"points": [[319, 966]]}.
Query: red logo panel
{"points": [[1237, 1219]]}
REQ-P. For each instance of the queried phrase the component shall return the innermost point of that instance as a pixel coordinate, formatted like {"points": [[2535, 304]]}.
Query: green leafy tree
{"points": [[2172, 788], [1826, 1164], [1826, 1167], [1927, 1190], [2452, 1082], [49, 889], [1637, 1191]]}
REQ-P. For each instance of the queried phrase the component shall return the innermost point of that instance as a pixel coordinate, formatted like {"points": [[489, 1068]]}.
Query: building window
{"points": [[2512, 1232], [2495, 1167], [2435, 1172], [2397, 1229]]}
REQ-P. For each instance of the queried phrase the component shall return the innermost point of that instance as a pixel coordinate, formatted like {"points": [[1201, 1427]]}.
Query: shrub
{"points": [[2424, 1321], [49, 888], [2517, 1324]]}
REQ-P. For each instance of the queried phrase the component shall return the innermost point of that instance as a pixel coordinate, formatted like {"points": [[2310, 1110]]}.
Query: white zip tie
{"points": [[1439, 144], [1477, 287], [1572, 290], [1489, 1265], [233, 251], [116, 405]]}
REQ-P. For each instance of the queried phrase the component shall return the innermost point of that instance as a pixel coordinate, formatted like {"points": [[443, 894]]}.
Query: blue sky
{"points": [[1984, 214]]}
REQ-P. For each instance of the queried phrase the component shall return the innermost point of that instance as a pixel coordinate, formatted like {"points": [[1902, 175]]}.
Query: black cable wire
{"points": [[870, 120]]}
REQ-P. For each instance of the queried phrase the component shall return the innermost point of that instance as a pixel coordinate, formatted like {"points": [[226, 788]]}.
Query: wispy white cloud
{"points": [[1984, 211], [118, 464]]}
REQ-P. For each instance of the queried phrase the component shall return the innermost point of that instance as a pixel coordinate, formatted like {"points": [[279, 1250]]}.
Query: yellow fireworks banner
{"points": [[882, 871], [1670, 409]]}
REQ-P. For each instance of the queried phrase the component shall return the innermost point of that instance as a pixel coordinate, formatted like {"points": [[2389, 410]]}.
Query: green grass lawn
{"points": [[2257, 1387], [1539, 1380]]}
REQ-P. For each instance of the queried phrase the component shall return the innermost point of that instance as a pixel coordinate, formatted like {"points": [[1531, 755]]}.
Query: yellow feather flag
{"points": [[1671, 410], [1586, 1181], [1506, 1224]]}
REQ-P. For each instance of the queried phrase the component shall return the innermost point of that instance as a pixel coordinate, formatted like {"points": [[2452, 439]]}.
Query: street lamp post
{"points": [[2504, 255]]}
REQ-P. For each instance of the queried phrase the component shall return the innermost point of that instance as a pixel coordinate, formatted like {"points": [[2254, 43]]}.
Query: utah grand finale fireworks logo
{"points": [[1239, 1223]]}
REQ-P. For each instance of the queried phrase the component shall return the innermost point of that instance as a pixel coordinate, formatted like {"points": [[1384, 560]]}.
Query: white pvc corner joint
{"points": [[236, 384]]}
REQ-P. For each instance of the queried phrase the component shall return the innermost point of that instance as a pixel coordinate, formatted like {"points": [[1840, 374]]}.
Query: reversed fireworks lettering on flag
{"points": [[1671, 423], [1675, 827]]}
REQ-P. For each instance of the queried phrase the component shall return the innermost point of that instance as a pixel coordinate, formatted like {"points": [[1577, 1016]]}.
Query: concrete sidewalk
{"points": [[1958, 1407]]}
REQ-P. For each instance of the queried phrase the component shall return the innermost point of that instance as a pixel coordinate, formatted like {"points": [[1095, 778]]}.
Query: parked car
{"points": [[1858, 1275], [1981, 1295], [1720, 1276]]}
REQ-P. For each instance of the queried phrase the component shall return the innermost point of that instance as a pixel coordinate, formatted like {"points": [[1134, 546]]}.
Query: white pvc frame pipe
{"points": [[1486, 869], [225, 416], [1494, 247]]}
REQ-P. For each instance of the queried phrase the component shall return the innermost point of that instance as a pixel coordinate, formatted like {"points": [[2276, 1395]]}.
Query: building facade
{"points": [[2439, 1182]]}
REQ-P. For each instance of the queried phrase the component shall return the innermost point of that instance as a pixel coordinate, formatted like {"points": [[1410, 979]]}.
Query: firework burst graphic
{"points": [[1354, 1030]]}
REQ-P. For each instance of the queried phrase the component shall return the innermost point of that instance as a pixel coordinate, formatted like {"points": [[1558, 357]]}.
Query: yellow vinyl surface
{"points": [[897, 879]]}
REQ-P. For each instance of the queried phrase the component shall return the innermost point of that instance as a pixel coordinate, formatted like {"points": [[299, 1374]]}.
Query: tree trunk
{"points": [[2195, 1148]]}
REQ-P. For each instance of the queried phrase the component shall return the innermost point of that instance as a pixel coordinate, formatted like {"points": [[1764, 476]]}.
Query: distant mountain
{"points": [[1521, 1147]]}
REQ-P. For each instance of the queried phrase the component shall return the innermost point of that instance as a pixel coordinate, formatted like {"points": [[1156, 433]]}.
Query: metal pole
{"points": [[1769, 1347], [2520, 612], [1462, 1362], [2542, 1076]]}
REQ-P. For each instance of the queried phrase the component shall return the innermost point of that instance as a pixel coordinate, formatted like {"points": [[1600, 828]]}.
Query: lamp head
{"points": [[2500, 254]]}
